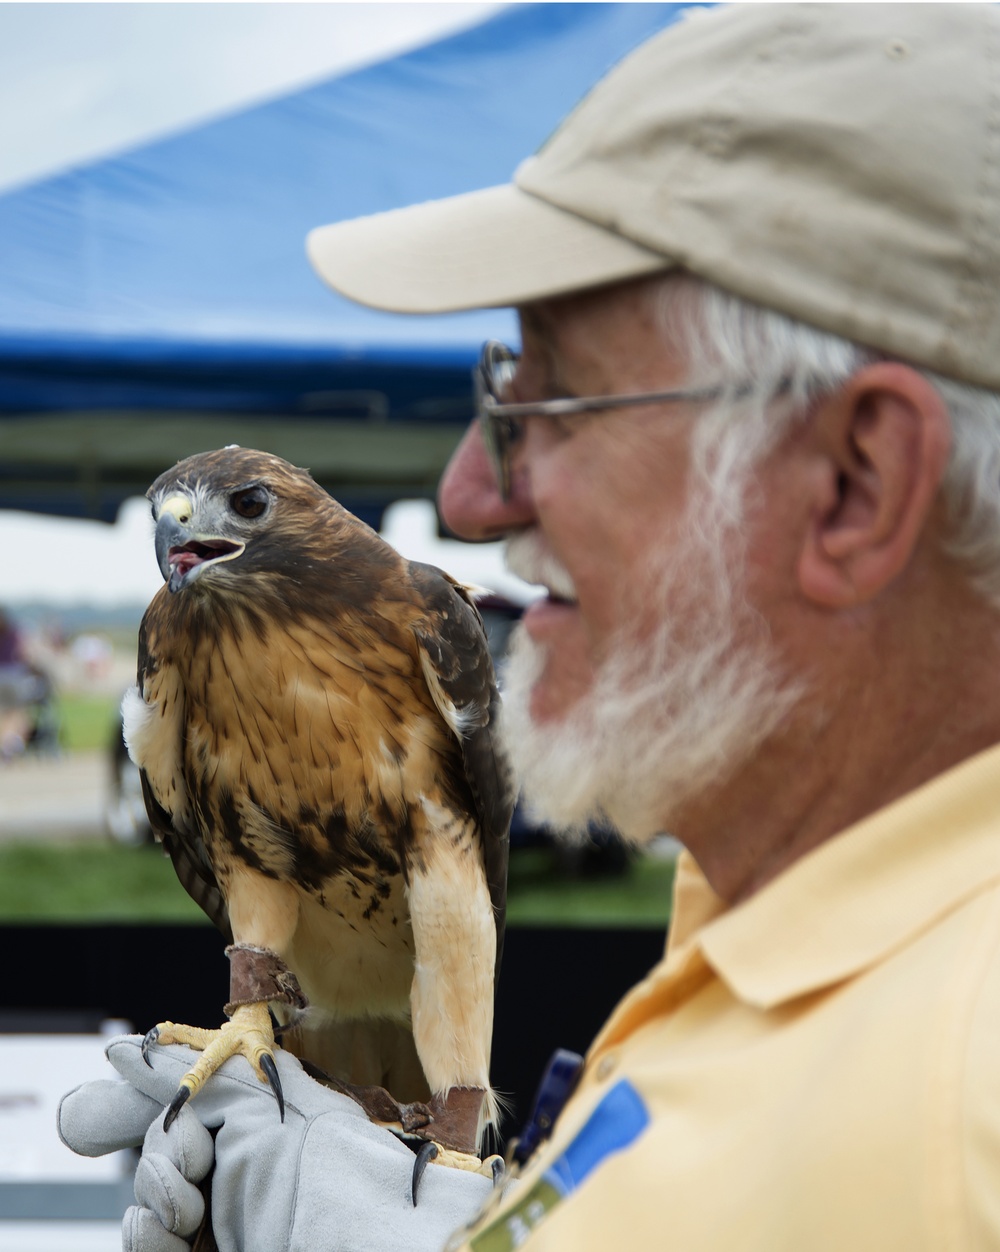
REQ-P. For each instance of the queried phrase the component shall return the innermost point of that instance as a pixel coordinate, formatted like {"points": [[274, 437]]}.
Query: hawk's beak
{"points": [[181, 553]]}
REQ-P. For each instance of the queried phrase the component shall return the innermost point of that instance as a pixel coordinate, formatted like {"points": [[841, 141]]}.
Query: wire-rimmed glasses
{"points": [[502, 424]]}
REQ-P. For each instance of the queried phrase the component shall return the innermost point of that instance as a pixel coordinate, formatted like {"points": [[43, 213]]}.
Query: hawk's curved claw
{"points": [[428, 1151], [150, 1037], [271, 1070], [181, 1097], [499, 1169]]}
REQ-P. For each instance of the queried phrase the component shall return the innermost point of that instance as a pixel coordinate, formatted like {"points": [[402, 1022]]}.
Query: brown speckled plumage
{"points": [[302, 768]]}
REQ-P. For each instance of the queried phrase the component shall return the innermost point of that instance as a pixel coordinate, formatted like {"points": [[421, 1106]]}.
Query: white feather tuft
{"points": [[136, 718]]}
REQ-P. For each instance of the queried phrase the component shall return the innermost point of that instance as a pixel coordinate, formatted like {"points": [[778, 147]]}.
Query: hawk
{"points": [[316, 726]]}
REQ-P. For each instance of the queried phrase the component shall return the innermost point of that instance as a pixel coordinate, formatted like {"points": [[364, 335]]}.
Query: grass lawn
{"points": [[86, 722], [90, 881], [540, 894], [96, 881]]}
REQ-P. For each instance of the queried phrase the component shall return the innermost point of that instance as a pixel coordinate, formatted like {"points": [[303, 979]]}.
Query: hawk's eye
{"points": [[249, 503]]}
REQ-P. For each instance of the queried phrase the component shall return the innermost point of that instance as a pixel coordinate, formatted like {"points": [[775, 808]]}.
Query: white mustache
{"points": [[527, 557]]}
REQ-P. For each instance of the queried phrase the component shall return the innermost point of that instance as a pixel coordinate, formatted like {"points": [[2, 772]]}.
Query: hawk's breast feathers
{"points": [[316, 712]]}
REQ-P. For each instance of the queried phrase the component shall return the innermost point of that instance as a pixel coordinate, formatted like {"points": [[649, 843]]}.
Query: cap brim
{"points": [[483, 249]]}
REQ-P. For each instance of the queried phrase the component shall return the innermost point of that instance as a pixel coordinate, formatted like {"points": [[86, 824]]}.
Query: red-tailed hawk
{"points": [[316, 726]]}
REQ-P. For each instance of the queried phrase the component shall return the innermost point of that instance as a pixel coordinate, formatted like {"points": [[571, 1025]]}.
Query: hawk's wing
{"points": [[459, 674]]}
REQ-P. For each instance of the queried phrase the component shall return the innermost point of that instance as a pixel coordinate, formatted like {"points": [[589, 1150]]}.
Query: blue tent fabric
{"points": [[189, 252], [174, 275]]}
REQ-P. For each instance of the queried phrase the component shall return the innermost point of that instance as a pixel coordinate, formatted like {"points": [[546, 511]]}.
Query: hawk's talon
{"points": [[150, 1037], [181, 1097], [499, 1169], [428, 1152], [247, 1033], [271, 1070]]}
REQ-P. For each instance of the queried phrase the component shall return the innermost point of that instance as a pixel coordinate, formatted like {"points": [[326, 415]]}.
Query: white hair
{"points": [[773, 366]]}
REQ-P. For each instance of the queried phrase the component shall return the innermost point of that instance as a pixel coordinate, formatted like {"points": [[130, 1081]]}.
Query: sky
{"points": [[83, 81]]}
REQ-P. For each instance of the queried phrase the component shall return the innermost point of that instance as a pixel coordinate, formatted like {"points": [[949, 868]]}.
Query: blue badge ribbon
{"points": [[615, 1124]]}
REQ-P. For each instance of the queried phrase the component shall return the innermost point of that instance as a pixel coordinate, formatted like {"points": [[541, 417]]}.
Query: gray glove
{"points": [[326, 1179]]}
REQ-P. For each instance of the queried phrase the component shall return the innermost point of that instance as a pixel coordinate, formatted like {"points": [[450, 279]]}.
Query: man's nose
{"points": [[469, 498]]}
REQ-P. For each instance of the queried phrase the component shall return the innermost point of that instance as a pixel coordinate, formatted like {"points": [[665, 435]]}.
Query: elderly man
{"points": [[751, 447]]}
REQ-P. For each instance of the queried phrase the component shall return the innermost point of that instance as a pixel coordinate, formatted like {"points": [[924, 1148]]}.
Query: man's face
{"points": [[605, 489], [644, 678]]}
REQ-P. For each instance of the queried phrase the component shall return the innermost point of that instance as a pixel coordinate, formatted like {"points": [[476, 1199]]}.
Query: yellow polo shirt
{"points": [[814, 1070]]}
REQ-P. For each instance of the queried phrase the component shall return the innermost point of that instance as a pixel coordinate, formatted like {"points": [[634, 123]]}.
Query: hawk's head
{"points": [[235, 510]]}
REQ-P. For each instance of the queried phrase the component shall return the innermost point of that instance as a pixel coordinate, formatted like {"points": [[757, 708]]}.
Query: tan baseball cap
{"points": [[839, 163]]}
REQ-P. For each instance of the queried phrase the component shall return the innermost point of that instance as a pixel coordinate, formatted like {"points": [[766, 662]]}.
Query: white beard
{"points": [[668, 718]]}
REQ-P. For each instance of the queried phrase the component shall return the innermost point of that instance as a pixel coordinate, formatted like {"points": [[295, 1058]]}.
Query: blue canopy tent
{"points": [[160, 303]]}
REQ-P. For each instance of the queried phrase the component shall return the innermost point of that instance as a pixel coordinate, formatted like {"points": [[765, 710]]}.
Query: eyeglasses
{"points": [[502, 424]]}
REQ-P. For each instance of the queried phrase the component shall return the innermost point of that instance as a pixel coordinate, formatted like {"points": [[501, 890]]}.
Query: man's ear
{"points": [[878, 449]]}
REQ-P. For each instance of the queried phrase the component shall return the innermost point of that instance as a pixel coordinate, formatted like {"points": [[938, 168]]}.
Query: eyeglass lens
{"points": [[496, 372]]}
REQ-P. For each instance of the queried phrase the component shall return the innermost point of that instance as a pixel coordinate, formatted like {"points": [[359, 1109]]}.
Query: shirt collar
{"points": [[848, 903]]}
